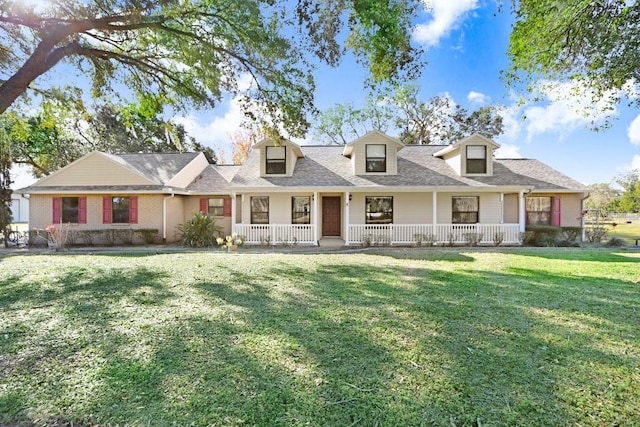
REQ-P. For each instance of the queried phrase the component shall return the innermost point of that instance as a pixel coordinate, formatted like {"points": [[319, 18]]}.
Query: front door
{"points": [[331, 216]]}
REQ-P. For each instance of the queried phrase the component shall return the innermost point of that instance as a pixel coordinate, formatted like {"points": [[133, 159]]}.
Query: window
{"points": [[120, 210], [538, 210], [376, 158], [379, 210], [260, 210], [465, 210], [476, 159], [70, 209], [301, 210], [215, 207], [276, 160]]}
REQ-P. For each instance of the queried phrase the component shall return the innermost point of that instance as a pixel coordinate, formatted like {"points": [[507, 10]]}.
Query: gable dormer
{"points": [[277, 159], [471, 156], [374, 154]]}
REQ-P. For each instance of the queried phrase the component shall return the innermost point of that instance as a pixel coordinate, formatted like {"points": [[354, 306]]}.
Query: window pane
{"points": [[538, 210], [276, 153], [276, 167], [301, 210], [377, 150], [465, 204], [476, 166], [70, 209], [120, 210], [476, 152], [378, 210], [260, 210]]}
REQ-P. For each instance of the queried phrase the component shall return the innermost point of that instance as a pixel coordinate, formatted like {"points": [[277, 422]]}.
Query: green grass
{"points": [[544, 337], [629, 232]]}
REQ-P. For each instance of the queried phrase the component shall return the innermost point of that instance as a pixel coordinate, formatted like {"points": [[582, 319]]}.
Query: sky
{"points": [[465, 43]]}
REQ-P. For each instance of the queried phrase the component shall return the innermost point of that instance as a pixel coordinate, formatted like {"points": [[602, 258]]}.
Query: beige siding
{"points": [[189, 172], [408, 208], [490, 212], [96, 169], [511, 208], [291, 159], [174, 212], [571, 210], [359, 155], [453, 160]]}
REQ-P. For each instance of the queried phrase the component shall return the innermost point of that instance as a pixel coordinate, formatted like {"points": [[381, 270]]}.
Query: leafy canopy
{"points": [[190, 53], [594, 43]]}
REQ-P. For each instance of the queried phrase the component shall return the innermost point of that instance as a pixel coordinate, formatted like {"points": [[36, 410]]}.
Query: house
{"points": [[19, 208], [372, 190]]}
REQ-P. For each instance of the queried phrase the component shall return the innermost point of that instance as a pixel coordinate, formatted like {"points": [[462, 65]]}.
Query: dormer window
{"points": [[376, 158], [276, 160], [476, 159]]}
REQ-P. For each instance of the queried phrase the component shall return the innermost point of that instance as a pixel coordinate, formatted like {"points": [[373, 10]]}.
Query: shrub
{"points": [[428, 239], [541, 235], [200, 231], [473, 239], [567, 244], [149, 235], [498, 238], [596, 234], [89, 237], [571, 233], [615, 242]]}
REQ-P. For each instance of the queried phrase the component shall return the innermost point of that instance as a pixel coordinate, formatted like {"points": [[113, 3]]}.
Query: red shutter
{"points": [[204, 206], [82, 210], [555, 211], [106, 210], [57, 204], [227, 207], [133, 209]]}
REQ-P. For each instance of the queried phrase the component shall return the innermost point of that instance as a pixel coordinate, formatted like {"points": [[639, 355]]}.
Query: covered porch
{"points": [[410, 218]]}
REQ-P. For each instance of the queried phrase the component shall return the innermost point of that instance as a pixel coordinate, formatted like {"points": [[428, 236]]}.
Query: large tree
{"points": [[194, 52], [5, 183], [593, 43]]}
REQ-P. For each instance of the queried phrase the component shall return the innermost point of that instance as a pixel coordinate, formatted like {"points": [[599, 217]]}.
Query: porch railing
{"points": [[390, 234], [274, 234]]}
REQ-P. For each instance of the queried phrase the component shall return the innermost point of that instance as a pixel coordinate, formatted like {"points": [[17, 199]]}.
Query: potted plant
{"points": [[230, 242]]}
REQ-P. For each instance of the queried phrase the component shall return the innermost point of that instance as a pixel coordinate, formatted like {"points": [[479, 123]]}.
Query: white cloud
{"points": [[446, 15], [508, 151], [635, 162], [478, 98], [633, 131]]}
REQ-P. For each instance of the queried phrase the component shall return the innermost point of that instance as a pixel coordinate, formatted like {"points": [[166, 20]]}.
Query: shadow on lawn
{"points": [[348, 344]]}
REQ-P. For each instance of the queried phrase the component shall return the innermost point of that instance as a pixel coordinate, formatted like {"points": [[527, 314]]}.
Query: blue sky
{"points": [[465, 43]]}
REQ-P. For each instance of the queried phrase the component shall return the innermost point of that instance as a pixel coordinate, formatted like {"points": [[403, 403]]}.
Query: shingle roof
{"points": [[215, 178], [159, 167], [325, 166]]}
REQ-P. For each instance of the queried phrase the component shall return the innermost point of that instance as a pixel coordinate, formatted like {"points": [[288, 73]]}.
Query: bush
{"points": [[571, 233], [498, 238], [149, 235], [541, 235], [615, 242], [596, 234], [473, 239], [428, 239], [200, 231]]}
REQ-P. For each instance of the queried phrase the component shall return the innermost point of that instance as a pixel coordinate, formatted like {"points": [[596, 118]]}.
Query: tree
{"points": [[596, 43], [630, 199], [436, 121], [602, 198], [5, 183], [191, 53], [242, 144]]}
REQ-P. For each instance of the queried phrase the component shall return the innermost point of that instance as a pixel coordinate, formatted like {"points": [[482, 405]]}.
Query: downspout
{"points": [[164, 216], [582, 216]]}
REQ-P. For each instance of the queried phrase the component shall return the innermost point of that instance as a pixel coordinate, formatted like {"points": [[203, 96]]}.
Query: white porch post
{"points": [[316, 225], [434, 209], [233, 212], [521, 212], [501, 208], [346, 219]]}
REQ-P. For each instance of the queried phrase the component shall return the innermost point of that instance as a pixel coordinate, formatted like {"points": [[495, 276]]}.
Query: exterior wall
{"points": [[359, 155], [19, 209], [190, 172], [175, 216], [408, 208], [279, 207], [454, 161], [96, 169], [511, 208], [490, 209], [291, 159], [570, 208], [149, 212], [192, 204]]}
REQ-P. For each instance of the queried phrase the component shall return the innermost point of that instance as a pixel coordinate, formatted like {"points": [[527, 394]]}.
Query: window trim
{"points": [[215, 208], [453, 211], [306, 213], [378, 159], [475, 160], [277, 161], [253, 212], [113, 210], [367, 212]]}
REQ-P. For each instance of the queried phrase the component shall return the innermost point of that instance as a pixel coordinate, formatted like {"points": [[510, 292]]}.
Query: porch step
{"points": [[331, 242]]}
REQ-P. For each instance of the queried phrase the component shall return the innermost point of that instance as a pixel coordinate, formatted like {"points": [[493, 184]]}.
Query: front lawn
{"points": [[397, 337]]}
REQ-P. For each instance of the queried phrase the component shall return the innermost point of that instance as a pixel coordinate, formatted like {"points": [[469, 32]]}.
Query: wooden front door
{"points": [[331, 216]]}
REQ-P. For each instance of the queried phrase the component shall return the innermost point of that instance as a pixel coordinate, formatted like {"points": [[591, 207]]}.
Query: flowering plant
{"points": [[58, 235], [229, 241]]}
